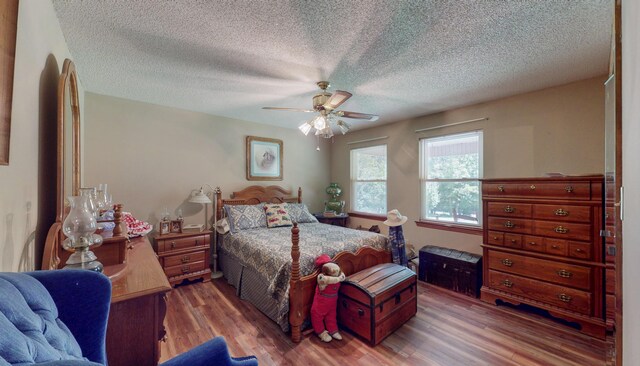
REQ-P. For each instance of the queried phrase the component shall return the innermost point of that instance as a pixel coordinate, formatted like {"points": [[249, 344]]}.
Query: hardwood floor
{"points": [[448, 330]]}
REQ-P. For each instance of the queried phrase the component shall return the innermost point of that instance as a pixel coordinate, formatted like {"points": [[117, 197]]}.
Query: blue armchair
{"points": [[60, 318]]}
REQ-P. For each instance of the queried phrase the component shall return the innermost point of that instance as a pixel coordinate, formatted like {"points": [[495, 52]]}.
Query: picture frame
{"points": [[264, 158], [176, 227], [164, 227], [8, 33]]}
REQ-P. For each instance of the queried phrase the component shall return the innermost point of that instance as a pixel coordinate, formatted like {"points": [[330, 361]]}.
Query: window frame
{"points": [[423, 174], [353, 181]]}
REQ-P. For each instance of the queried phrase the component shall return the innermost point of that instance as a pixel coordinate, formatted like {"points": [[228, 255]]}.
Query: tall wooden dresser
{"points": [[542, 246]]}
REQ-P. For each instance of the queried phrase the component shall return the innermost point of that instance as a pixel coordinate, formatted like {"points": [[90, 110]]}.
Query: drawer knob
{"points": [[555, 246], [360, 312], [569, 189], [561, 230], [533, 243], [561, 212], [185, 259], [509, 225], [509, 209], [185, 269], [501, 188], [507, 262], [564, 298], [495, 238], [513, 241], [578, 250], [507, 283], [173, 244], [532, 187], [564, 273]]}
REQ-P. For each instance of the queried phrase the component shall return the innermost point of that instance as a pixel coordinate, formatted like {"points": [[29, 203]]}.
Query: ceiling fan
{"points": [[326, 105]]}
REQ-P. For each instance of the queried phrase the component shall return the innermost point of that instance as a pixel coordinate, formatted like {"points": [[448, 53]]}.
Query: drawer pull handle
{"points": [[509, 209], [507, 262], [509, 225], [185, 259], [533, 243], [501, 188], [569, 189], [532, 187], [495, 238], [513, 241], [561, 230], [360, 312], [564, 298], [173, 244], [561, 212], [554, 246], [564, 273], [579, 250], [507, 283], [185, 269]]}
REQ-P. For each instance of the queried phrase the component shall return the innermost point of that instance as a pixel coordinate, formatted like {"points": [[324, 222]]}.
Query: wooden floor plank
{"points": [[449, 330]]}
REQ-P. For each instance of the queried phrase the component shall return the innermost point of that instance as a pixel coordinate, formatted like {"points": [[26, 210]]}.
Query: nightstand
{"points": [[338, 220], [184, 256]]}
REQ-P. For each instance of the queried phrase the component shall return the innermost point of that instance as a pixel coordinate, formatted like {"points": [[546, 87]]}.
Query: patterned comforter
{"points": [[268, 252]]}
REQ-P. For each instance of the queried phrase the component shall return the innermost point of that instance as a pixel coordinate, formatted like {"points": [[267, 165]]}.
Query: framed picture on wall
{"points": [[264, 158]]}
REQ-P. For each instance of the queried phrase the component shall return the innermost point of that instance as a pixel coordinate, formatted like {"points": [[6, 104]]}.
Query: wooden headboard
{"points": [[253, 195]]}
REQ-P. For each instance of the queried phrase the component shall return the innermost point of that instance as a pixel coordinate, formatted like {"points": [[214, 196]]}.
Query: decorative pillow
{"points": [[300, 213], [277, 215], [243, 217]]}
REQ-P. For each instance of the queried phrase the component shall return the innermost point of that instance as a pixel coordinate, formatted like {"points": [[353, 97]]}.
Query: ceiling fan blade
{"points": [[336, 100], [289, 109], [356, 115]]}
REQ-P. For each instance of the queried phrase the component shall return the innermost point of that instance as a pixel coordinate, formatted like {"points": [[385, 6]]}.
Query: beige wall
{"points": [[631, 181], [26, 207], [154, 157], [558, 129]]}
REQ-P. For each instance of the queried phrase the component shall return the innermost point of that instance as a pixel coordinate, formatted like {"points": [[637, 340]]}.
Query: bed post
{"points": [[299, 194], [295, 297]]}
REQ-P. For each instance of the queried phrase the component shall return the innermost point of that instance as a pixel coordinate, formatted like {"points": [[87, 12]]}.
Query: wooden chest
{"points": [[373, 303], [451, 269]]}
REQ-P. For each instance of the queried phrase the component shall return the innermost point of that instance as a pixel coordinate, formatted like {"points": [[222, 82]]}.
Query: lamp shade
{"points": [[200, 197]]}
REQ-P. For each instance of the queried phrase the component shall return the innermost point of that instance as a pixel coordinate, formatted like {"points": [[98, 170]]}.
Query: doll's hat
{"points": [[322, 260], [395, 218]]}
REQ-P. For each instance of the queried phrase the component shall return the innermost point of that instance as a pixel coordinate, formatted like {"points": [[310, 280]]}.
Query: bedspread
{"points": [[268, 253]]}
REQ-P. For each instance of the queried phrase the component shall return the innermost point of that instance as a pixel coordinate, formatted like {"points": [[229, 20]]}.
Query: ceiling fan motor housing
{"points": [[320, 99]]}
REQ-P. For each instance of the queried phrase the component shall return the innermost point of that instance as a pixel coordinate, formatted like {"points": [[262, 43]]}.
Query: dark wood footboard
{"points": [[301, 289]]}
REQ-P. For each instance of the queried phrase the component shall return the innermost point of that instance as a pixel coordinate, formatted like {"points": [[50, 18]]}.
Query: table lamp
{"points": [[203, 198]]}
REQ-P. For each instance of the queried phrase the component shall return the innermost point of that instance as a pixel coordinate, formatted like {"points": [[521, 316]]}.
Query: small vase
{"points": [[334, 191]]}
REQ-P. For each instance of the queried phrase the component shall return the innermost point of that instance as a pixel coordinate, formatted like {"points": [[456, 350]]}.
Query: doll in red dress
{"points": [[325, 300]]}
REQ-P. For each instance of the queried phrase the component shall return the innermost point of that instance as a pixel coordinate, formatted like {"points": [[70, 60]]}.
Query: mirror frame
{"points": [[68, 78]]}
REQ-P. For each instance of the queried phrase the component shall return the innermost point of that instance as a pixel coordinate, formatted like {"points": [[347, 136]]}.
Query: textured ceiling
{"points": [[400, 59]]}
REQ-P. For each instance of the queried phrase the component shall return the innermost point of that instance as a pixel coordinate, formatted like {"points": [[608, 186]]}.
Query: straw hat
{"points": [[395, 218]]}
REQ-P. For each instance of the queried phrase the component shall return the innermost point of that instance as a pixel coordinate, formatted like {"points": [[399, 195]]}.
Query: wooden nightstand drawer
{"points": [[182, 243], [186, 258], [541, 269], [560, 296], [184, 269]]}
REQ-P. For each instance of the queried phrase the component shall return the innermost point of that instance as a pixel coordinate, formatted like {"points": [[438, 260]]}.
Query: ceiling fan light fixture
{"points": [[320, 123], [305, 128], [343, 126], [325, 132]]}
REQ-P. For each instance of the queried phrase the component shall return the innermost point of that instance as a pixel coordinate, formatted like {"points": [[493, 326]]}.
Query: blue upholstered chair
{"points": [[60, 318]]}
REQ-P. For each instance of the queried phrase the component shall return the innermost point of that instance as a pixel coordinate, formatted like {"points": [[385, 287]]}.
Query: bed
{"points": [[273, 267]]}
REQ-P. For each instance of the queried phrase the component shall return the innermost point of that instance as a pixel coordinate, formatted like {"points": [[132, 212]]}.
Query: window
{"points": [[369, 179], [450, 172]]}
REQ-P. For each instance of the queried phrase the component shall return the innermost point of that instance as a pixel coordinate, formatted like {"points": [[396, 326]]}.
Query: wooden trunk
{"points": [[451, 269], [374, 302]]}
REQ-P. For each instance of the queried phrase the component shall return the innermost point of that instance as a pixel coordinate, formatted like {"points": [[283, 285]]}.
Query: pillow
{"points": [[243, 217], [277, 215], [300, 213]]}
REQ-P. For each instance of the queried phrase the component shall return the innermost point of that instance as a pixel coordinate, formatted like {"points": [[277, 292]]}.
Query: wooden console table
{"points": [[138, 308]]}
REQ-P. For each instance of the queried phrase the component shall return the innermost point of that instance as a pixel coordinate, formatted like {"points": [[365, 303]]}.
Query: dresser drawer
{"points": [[579, 250], [560, 296], [185, 258], [556, 246], [562, 213], [182, 243], [542, 269], [563, 230], [510, 225], [557, 190], [509, 209], [184, 269], [513, 241], [500, 189], [533, 243], [495, 238]]}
